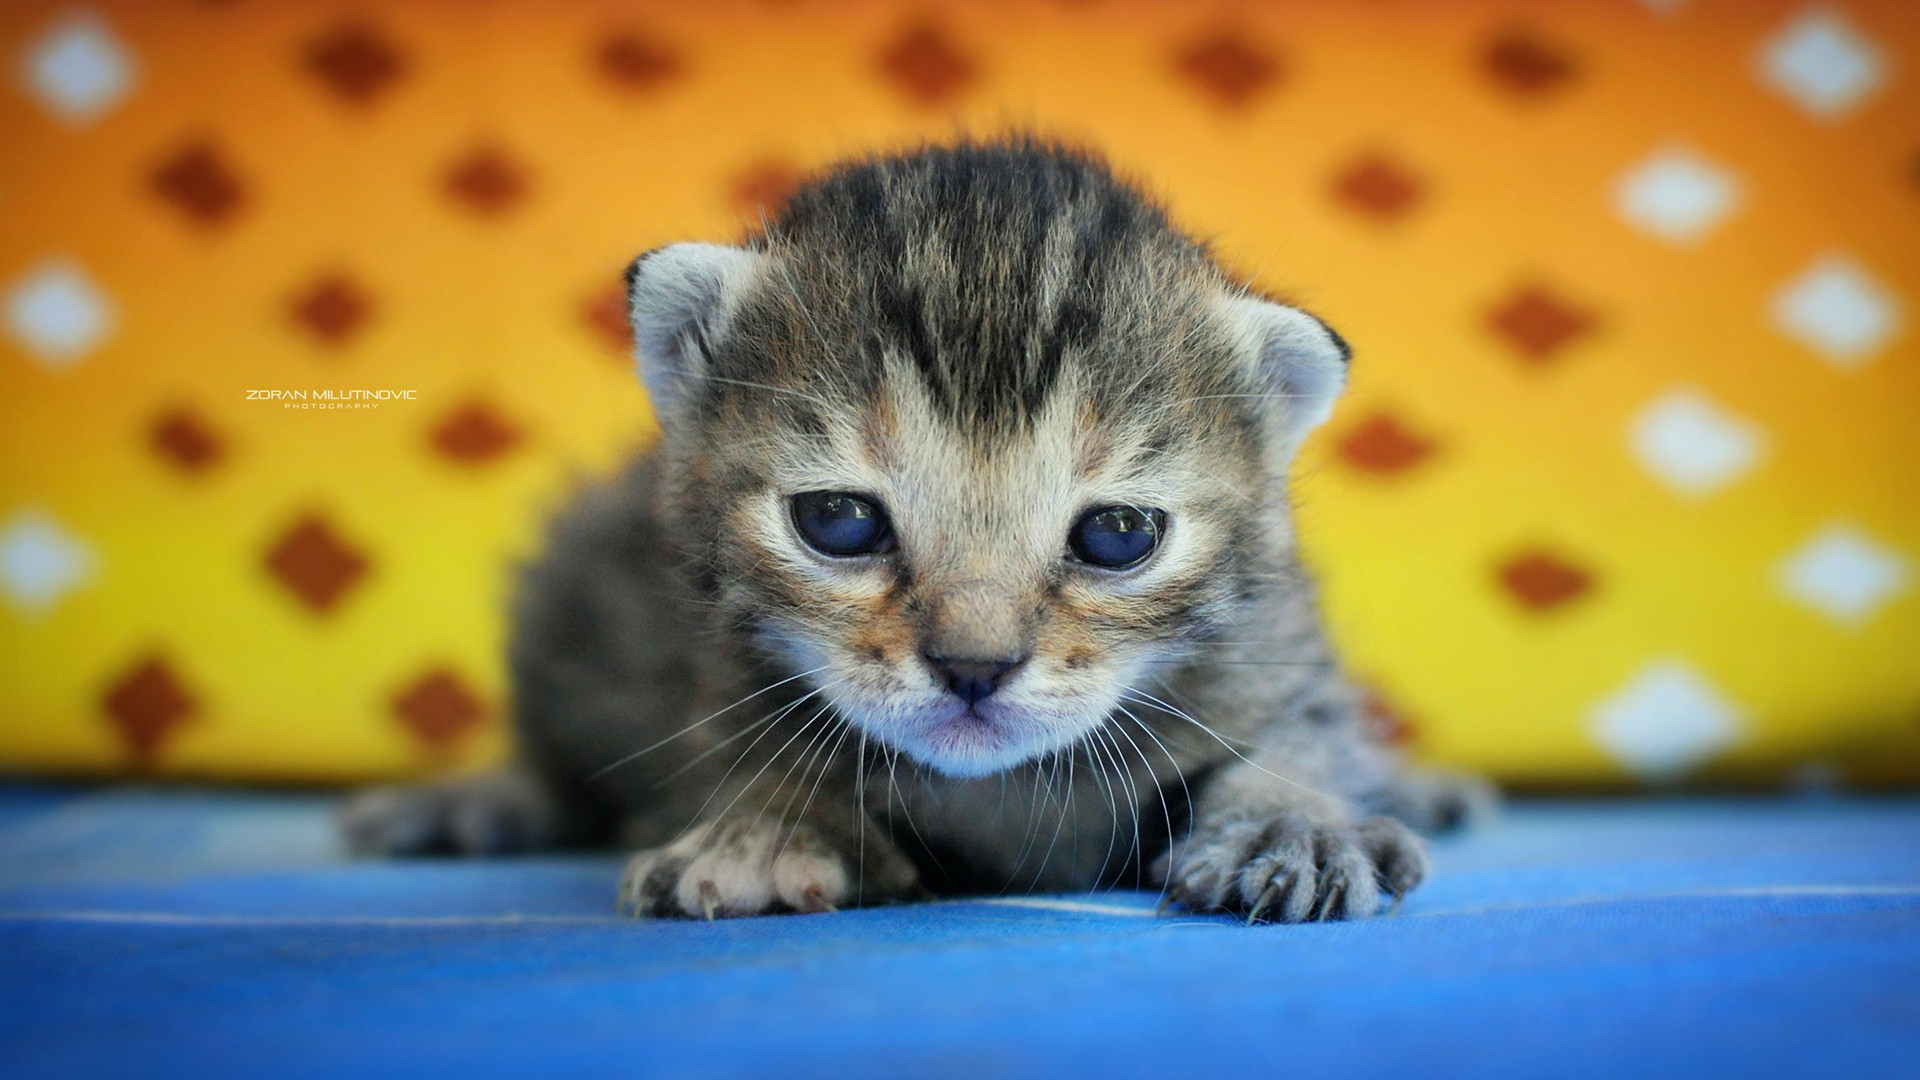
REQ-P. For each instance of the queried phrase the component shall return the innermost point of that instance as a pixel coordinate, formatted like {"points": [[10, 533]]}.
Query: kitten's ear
{"points": [[679, 298], [1302, 361]]}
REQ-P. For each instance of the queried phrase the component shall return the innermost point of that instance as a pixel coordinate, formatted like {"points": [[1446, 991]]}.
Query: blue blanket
{"points": [[181, 934]]}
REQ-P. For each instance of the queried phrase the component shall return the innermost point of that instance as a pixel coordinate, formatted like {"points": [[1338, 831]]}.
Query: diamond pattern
{"points": [[1542, 581], [638, 65], [1677, 195], [1227, 69], [181, 438], [1383, 445], [1528, 67], [1822, 64], [439, 709], [40, 562], [926, 67], [1692, 444], [762, 188], [475, 434], [1838, 310], [488, 182], [57, 314], [1540, 324], [147, 705], [78, 69], [1844, 574], [355, 62], [333, 309], [1666, 721], [200, 184], [315, 564], [1375, 185]]}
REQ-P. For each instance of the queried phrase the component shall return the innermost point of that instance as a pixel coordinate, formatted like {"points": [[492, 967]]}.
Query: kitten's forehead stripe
{"points": [[984, 266]]}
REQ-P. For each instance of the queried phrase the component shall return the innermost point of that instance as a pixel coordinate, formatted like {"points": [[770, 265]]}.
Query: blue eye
{"points": [[841, 525], [1116, 537]]}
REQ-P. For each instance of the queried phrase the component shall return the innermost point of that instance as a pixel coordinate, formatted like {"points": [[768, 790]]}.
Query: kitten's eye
{"points": [[841, 525], [1116, 537]]}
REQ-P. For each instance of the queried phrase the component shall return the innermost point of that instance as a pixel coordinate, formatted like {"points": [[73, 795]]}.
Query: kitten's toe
{"points": [[1296, 869], [755, 868], [392, 821]]}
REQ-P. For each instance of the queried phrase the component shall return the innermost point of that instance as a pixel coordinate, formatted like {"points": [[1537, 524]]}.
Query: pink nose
{"points": [[972, 680]]}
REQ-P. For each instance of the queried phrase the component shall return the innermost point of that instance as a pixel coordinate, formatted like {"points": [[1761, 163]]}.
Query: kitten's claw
{"points": [[709, 899], [1295, 868], [814, 901], [1173, 895]]}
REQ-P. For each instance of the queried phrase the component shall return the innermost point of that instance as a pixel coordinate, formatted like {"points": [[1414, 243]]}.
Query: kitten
{"points": [[964, 562]]}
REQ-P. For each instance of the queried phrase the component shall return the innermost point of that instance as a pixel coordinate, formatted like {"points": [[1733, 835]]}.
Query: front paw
{"points": [[1295, 868], [745, 867]]}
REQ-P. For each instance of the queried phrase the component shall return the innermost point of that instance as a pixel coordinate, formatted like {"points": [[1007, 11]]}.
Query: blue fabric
{"points": [[179, 934]]}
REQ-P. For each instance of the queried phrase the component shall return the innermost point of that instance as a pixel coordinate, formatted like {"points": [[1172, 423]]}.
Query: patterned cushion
{"points": [[311, 316]]}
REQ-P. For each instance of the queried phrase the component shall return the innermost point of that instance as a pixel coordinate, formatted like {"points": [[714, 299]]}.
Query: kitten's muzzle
{"points": [[973, 680]]}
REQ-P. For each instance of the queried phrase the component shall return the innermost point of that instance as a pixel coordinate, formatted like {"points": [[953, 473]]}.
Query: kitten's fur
{"points": [[987, 340]]}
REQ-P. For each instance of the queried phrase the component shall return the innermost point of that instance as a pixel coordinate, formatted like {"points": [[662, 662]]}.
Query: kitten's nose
{"points": [[973, 680]]}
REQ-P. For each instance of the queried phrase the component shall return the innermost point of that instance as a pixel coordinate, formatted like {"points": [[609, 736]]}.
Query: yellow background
{"points": [[1515, 189]]}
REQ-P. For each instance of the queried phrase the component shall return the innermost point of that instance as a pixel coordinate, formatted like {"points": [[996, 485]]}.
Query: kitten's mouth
{"points": [[976, 740]]}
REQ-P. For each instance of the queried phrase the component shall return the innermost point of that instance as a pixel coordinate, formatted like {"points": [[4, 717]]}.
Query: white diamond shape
{"points": [[1843, 573], [1837, 309], [57, 313], [40, 561], [1665, 721], [1676, 194], [77, 69], [1820, 62], [1692, 444]]}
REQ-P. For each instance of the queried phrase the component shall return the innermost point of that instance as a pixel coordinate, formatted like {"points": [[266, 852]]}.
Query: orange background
{"points": [[1404, 169]]}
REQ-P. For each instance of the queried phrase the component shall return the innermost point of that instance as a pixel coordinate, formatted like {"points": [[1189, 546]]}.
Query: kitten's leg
{"points": [[1437, 800], [490, 813], [750, 863], [1266, 848]]}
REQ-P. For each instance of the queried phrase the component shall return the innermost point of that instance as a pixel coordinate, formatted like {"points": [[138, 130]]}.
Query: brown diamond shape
{"points": [[760, 189], [1382, 444], [474, 434], [1526, 66], [333, 308], [1226, 68], [1382, 720], [355, 62], [146, 705], [1542, 581], [1538, 323], [439, 709], [315, 563], [1379, 187], [606, 312], [200, 184], [487, 181], [183, 439], [926, 66], [636, 64]]}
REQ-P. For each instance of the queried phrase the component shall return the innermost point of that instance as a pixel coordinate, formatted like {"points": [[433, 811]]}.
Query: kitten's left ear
{"points": [[1304, 363]]}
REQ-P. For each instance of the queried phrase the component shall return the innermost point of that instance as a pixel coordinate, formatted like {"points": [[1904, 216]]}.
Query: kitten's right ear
{"points": [[680, 298]]}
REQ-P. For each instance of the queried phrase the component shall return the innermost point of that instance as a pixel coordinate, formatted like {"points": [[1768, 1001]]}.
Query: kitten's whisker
{"points": [[1148, 699], [773, 717], [700, 815], [1166, 812], [1113, 806], [1133, 792], [825, 768], [690, 727]]}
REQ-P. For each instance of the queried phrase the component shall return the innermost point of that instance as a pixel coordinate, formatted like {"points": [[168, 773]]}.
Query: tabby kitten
{"points": [[964, 563]]}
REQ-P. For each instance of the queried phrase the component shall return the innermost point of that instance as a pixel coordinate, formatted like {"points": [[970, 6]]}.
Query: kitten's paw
{"points": [[1294, 868], [1440, 800], [485, 814], [745, 867]]}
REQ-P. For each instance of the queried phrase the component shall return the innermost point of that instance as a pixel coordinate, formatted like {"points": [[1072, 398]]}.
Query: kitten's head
{"points": [[974, 437]]}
